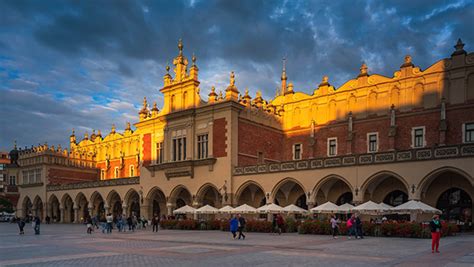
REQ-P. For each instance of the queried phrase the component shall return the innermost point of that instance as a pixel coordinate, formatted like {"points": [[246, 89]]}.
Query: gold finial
{"points": [[363, 69], [180, 46], [73, 132], [99, 133], [259, 94], [145, 103], [246, 92], [220, 95], [113, 128], [167, 69], [232, 78], [283, 72], [213, 89], [128, 128], [154, 105], [407, 59], [14, 144]]}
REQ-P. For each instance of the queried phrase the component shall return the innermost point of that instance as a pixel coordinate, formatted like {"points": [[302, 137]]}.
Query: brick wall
{"points": [[219, 130], [254, 138], [64, 176]]}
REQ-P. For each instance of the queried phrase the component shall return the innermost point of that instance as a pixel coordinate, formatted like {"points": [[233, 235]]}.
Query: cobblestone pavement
{"points": [[69, 245]]}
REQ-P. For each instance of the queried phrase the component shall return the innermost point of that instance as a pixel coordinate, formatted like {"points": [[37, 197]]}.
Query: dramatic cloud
{"points": [[88, 64]]}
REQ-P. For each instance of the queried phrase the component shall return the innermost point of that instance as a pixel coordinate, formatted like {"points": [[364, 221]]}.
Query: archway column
{"points": [[310, 205], [76, 214], [61, 215], [269, 198], [169, 208], [145, 208], [125, 210]]}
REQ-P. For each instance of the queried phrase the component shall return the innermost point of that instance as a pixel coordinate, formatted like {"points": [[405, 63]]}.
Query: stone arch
{"points": [[27, 206], [289, 191], [395, 96], [378, 185], [68, 209], [208, 194], [332, 188], [54, 208], [114, 202], [97, 205], [82, 205], [157, 202], [436, 183], [181, 196], [38, 209], [250, 193], [351, 103], [132, 201]]}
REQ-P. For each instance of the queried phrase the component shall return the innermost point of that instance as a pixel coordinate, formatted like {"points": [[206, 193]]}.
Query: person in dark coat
{"points": [[435, 226], [359, 230], [234, 226], [155, 221], [21, 225], [241, 224], [37, 225]]}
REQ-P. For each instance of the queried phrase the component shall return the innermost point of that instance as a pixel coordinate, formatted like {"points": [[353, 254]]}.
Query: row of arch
{"points": [[449, 186]]}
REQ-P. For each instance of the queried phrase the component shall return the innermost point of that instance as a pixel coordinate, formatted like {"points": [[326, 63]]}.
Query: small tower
{"points": [[144, 111], [193, 73], [112, 131], [363, 71], [154, 110], [459, 49], [167, 79], [72, 138], [212, 95], [246, 98], [258, 101]]}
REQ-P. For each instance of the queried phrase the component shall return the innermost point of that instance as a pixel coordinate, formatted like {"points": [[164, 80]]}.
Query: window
{"points": [[37, 176], [418, 137], [179, 149], [102, 174], [2, 167], [132, 170], [202, 146], [332, 146], [260, 158], [116, 172], [468, 134], [159, 153], [297, 151], [12, 180], [372, 142]]}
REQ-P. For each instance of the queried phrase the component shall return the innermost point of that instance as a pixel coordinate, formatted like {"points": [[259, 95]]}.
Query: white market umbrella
{"points": [[207, 209], [369, 207], [385, 206], [270, 208], [415, 206], [244, 209], [346, 207], [292, 208], [185, 210], [226, 209], [327, 207]]}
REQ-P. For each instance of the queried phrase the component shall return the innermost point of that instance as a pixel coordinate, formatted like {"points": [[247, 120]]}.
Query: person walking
{"points": [[435, 225], [109, 219], [359, 230], [155, 221], [21, 225], [241, 226], [334, 226], [351, 226], [234, 226], [37, 223], [89, 225], [280, 223]]}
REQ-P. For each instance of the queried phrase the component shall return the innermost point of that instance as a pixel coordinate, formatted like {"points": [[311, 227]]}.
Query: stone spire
{"points": [[212, 95], [128, 127], [459, 48], [363, 70], [154, 110], [144, 111], [284, 78], [194, 69], [72, 138], [112, 131], [180, 63], [232, 93], [246, 98]]}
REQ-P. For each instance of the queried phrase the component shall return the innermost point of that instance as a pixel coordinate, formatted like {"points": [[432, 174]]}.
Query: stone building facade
{"points": [[390, 139]]}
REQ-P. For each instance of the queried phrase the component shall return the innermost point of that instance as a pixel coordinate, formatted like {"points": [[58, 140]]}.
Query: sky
{"points": [[88, 64]]}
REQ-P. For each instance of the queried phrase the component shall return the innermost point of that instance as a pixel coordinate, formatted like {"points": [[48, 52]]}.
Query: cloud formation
{"points": [[88, 64]]}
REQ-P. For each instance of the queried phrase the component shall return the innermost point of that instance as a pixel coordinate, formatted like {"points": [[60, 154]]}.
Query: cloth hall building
{"points": [[386, 139]]}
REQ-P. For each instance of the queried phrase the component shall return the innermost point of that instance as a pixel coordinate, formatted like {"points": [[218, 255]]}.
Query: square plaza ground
{"points": [[69, 245]]}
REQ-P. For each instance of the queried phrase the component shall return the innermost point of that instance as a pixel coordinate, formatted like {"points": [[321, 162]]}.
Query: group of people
{"points": [[353, 224], [35, 224], [237, 224]]}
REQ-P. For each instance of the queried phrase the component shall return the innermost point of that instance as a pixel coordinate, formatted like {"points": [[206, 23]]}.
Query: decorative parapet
{"points": [[30, 185], [181, 168], [361, 159], [100, 183]]}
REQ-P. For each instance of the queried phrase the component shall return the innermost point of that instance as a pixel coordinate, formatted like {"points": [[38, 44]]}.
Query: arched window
{"points": [[395, 198], [455, 204]]}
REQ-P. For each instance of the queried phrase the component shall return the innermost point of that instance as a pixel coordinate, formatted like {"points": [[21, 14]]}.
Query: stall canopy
{"points": [[226, 209], [385, 206], [184, 210], [292, 208], [345, 208], [244, 209], [327, 207], [414, 206], [270, 208], [207, 209], [370, 208]]}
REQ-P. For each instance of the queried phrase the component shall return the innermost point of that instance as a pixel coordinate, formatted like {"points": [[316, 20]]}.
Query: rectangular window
{"points": [[469, 132], [116, 172], [418, 137], [202, 146], [332, 147], [12, 180], [179, 149], [159, 153], [37, 175], [372, 142], [297, 151], [2, 167]]}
